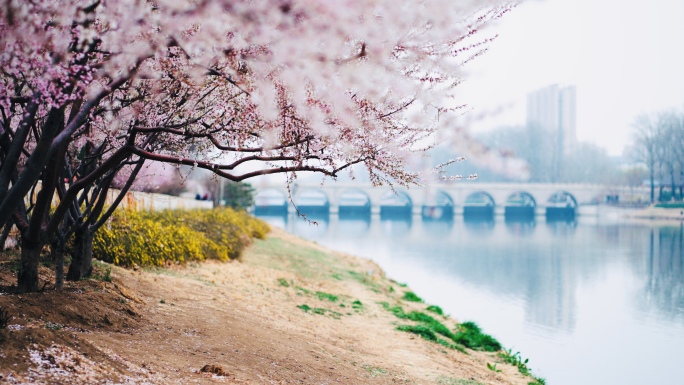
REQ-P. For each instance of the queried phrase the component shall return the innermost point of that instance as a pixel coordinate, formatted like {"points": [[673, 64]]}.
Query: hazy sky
{"points": [[625, 57]]}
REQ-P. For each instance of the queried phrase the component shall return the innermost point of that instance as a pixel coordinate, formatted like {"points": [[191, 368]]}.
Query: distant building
{"points": [[552, 110]]}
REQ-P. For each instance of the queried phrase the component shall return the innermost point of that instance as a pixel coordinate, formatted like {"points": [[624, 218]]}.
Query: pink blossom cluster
{"points": [[242, 88]]}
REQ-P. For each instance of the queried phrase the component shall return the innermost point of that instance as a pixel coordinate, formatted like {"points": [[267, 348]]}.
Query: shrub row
{"points": [[154, 238]]}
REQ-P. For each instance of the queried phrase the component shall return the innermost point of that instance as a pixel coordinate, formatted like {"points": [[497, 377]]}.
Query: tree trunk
{"points": [[652, 186], [27, 279], [58, 258], [5, 233], [82, 257]]}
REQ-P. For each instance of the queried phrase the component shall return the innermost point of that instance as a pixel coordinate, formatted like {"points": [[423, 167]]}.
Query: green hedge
{"points": [[676, 205], [154, 238]]}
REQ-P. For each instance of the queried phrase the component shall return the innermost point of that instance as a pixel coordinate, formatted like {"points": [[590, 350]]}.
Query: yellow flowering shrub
{"points": [[153, 238]]}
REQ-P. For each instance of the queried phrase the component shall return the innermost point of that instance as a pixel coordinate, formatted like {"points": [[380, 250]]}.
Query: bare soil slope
{"points": [[290, 313]]}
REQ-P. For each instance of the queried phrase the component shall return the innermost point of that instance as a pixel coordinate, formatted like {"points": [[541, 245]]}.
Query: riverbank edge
{"points": [[503, 357], [283, 274], [657, 213]]}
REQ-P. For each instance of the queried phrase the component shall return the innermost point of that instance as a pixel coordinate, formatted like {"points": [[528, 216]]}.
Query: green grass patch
{"points": [[396, 310], [411, 297], [326, 296], [470, 335], [516, 360], [435, 309], [357, 304], [283, 282], [320, 311], [467, 334], [323, 311], [421, 330]]}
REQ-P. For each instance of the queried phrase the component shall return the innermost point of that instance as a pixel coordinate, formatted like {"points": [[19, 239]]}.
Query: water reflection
{"points": [[396, 226], [561, 228], [437, 229], [274, 220], [520, 227], [316, 226], [354, 213], [664, 287], [479, 225], [355, 228]]}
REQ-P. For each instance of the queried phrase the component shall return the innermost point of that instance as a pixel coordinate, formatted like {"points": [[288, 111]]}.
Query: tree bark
{"points": [[58, 249], [82, 257], [5, 233], [27, 279]]}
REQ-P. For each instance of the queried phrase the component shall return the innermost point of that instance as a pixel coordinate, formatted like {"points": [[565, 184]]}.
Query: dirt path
{"points": [[290, 313]]}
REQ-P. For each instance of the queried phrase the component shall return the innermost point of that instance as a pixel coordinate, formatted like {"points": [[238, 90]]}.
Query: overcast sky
{"points": [[625, 57]]}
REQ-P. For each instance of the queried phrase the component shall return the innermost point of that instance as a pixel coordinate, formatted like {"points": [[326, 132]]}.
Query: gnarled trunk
{"points": [[27, 279], [82, 257]]}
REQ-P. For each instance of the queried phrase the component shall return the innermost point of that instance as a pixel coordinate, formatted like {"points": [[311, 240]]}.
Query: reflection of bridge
{"points": [[443, 200]]}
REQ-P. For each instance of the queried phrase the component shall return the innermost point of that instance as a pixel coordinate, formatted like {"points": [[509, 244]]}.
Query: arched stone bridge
{"points": [[458, 197]]}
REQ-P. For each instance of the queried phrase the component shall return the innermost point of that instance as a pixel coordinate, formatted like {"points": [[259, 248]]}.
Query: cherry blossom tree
{"points": [[240, 88]]}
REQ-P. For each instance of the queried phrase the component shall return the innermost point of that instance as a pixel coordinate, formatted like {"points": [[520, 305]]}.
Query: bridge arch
{"points": [[479, 206], [396, 204], [354, 203], [520, 207], [438, 205], [312, 202], [561, 206], [270, 202]]}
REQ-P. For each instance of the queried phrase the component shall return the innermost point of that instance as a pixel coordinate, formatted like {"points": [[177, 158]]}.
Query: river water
{"points": [[587, 301]]}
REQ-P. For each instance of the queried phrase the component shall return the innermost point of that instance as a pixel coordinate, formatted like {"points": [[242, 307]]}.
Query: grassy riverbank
{"points": [[290, 312]]}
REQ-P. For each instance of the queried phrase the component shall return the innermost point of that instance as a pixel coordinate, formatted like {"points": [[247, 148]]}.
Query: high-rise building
{"points": [[551, 110]]}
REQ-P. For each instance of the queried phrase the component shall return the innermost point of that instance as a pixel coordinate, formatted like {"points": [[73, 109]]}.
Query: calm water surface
{"points": [[587, 302]]}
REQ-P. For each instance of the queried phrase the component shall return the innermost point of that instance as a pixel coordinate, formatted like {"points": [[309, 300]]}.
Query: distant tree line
{"points": [[659, 144]]}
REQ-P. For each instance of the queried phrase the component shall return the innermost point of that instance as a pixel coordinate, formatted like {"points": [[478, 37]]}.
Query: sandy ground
{"points": [[243, 322]]}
